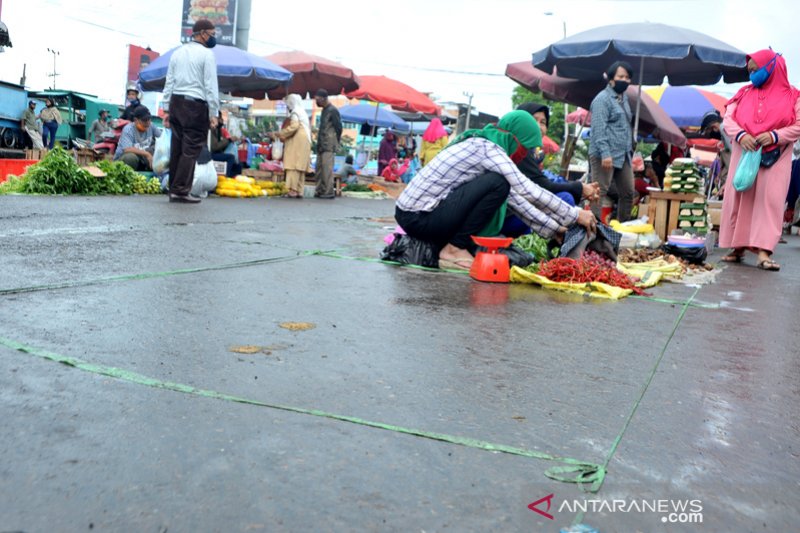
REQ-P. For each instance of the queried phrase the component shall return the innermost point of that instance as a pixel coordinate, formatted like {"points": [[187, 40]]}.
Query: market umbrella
{"points": [[366, 114], [686, 105], [394, 93], [655, 50], [5, 39], [653, 119], [238, 72], [311, 73]]}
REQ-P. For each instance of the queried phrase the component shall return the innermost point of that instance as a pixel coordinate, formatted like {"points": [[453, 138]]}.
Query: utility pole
{"points": [[55, 73], [469, 108]]}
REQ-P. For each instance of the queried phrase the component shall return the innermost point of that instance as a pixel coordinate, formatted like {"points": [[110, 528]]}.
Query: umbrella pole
{"points": [[638, 102], [372, 132]]}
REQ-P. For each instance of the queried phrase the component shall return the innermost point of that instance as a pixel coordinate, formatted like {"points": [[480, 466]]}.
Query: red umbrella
{"points": [[394, 93], [311, 73], [653, 119], [580, 116], [549, 145]]}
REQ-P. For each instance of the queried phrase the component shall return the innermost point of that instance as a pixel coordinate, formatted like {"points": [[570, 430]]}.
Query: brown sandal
{"points": [[733, 257], [769, 264]]}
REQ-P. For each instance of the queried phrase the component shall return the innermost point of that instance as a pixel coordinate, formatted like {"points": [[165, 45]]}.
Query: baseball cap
{"points": [[142, 113], [322, 93]]}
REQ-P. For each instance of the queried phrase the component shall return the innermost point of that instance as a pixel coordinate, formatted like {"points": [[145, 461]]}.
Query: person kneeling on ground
{"points": [[138, 141], [394, 172], [348, 172], [466, 189]]}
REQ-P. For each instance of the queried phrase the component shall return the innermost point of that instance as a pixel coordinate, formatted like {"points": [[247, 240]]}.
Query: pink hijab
{"points": [[434, 132], [772, 105]]}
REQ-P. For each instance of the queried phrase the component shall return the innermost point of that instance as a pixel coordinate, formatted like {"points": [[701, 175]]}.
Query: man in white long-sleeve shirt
{"points": [[191, 97]]}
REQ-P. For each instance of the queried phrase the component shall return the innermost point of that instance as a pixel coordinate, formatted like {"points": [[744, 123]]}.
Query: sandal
{"points": [[733, 257], [769, 264]]}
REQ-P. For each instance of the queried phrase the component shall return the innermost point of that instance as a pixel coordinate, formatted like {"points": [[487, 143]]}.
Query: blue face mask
{"points": [[211, 42], [760, 76]]}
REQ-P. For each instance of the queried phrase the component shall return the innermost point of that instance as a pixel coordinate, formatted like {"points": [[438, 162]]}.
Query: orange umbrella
{"points": [[311, 73], [394, 93]]}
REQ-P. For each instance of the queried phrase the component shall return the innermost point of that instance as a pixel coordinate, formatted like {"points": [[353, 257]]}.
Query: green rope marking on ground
{"points": [[336, 255], [638, 401], [676, 302], [150, 275], [573, 471]]}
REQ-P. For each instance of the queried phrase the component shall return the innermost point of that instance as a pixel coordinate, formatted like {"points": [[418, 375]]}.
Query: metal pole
{"points": [[566, 105], [469, 109], [638, 101], [55, 73], [243, 24]]}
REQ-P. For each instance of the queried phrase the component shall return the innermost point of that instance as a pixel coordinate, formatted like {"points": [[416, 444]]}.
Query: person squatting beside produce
{"points": [[465, 189], [137, 142]]}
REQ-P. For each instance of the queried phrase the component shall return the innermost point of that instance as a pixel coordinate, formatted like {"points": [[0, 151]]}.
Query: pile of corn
{"points": [[272, 188], [244, 187]]}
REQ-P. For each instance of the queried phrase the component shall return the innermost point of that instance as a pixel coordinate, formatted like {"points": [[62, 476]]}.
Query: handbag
{"points": [[747, 170], [769, 158]]}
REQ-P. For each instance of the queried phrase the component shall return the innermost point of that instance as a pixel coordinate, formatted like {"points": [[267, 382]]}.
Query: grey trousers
{"points": [[324, 174], [622, 178]]}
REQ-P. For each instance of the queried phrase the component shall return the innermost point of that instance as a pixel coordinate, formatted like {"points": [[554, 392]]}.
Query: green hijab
{"points": [[519, 124], [516, 123]]}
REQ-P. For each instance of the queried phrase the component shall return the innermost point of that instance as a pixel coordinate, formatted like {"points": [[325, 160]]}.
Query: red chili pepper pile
{"points": [[590, 267]]}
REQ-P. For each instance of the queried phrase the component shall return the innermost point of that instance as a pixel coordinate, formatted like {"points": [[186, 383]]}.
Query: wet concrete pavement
{"points": [[417, 351]]}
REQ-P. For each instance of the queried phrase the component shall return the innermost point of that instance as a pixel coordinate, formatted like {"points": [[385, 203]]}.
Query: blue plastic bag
{"points": [[747, 170]]}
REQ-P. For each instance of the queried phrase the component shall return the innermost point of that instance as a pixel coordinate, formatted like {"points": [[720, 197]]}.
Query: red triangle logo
{"points": [[545, 514]]}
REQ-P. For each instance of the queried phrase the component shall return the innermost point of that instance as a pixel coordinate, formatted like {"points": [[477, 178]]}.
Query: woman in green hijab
{"points": [[468, 184]]}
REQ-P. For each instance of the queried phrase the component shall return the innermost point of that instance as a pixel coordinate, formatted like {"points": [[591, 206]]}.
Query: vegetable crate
{"points": [[665, 208], [15, 167]]}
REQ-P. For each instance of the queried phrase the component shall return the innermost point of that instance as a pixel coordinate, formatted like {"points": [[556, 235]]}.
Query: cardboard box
{"points": [[221, 168]]}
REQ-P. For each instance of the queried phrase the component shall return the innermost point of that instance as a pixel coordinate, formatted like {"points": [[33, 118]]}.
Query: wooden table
{"points": [[665, 207]]}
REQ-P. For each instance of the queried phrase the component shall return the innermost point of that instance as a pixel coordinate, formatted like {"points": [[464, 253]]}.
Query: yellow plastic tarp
{"points": [[594, 289], [652, 272]]}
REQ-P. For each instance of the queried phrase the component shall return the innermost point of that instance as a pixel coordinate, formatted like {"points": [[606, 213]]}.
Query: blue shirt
{"points": [[612, 134], [131, 137]]}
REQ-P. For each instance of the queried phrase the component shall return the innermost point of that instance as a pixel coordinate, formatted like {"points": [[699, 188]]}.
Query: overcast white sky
{"points": [[410, 40]]}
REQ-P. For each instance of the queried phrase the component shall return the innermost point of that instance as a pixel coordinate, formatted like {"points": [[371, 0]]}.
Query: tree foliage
{"points": [[555, 129]]}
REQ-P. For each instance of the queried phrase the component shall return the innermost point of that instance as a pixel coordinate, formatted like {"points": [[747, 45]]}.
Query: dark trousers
{"points": [[189, 122], [465, 212], [49, 134]]}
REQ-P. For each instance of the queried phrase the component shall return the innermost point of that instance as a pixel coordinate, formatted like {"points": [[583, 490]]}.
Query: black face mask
{"points": [[620, 86], [714, 135]]}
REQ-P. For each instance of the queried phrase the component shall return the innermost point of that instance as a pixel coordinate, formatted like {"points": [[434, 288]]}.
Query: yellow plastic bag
{"points": [[594, 289]]}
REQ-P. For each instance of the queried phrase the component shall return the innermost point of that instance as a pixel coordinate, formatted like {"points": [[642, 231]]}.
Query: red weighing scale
{"points": [[491, 265]]}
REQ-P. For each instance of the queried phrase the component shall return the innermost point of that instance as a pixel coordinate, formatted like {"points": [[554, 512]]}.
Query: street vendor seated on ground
{"points": [[531, 166], [138, 141], [348, 172], [394, 171], [221, 145], [466, 189]]}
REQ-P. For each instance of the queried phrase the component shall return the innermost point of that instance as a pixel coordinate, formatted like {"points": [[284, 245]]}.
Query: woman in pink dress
{"points": [[764, 114]]}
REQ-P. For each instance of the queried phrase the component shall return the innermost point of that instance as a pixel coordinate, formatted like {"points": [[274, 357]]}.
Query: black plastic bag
{"points": [[696, 256], [407, 250], [516, 255]]}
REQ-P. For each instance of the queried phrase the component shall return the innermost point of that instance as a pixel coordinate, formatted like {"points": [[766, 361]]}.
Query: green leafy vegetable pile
{"points": [[58, 173], [537, 246]]}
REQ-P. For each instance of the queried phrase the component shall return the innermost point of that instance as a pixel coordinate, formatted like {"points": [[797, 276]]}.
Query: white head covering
{"points": [[295, 105]]}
